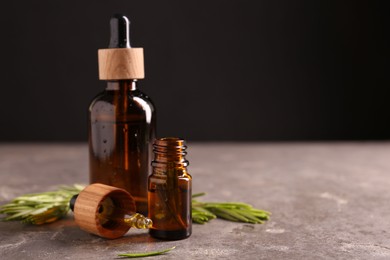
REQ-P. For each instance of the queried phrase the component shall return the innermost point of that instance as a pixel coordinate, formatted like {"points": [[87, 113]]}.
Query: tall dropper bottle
{"points": [[121, 118]]}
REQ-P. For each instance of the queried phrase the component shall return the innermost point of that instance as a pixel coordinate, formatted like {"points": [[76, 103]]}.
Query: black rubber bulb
{"points": [[72, 201], [120, 32]]}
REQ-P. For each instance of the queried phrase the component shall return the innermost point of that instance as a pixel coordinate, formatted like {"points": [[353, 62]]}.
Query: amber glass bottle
{"points": [[170, 191], [121, 119]]}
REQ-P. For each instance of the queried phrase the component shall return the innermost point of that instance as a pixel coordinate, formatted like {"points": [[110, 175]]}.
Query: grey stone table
{"points": [[329, 201]]}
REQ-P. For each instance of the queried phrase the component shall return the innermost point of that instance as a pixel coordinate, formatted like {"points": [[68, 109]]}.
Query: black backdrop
{"points": [[216, 70]]}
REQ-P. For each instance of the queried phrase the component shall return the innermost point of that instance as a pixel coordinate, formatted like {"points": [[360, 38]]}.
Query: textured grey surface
{"points": [[329, 201]]}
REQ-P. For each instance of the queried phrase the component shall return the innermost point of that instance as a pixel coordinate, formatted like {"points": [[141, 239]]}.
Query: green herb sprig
{"points": [[202, 212], [40, 208], [47, 207], [152, 253]]}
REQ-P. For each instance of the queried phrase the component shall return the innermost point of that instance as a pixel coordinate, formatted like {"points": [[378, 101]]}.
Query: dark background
{"points": [[216, 70]]}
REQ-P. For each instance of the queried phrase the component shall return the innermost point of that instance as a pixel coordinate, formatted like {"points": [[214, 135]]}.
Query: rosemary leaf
{"points": [[198, 194], [152, 253], [202, 212], [201, 215], [223, 215], [40, 208], [249, 215], [47, 207]]}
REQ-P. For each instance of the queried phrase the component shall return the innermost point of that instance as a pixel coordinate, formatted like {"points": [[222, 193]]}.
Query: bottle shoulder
{"points": [[139, 95]]}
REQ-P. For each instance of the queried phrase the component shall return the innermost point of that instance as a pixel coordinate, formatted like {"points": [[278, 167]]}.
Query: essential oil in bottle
{"points": [[169, 191], [121, 119]]}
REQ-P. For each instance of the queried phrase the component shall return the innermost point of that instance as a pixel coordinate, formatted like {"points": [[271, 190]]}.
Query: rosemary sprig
{"points": [[203, 212], [40, 208], [152, 253], [46, 207]]}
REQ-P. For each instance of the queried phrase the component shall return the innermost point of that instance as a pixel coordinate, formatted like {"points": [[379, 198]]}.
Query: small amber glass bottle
{"points": [[169, 195], [122, 119]]}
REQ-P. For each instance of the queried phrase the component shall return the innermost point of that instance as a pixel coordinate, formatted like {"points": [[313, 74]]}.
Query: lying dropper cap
{"points": [[106, 211]]}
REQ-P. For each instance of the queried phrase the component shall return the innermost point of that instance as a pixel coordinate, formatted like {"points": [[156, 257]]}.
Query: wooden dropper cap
{"points": [[87, 205], [120, 61]]}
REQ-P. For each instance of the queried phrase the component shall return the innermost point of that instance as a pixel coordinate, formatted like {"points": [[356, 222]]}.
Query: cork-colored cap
{"points": [[99, 209], [120, 61]]}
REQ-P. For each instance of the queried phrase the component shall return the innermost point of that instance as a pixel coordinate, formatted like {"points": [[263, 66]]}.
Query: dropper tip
{"points": [[138, 220]]}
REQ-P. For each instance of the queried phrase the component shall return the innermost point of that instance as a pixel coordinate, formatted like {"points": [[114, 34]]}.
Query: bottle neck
{"points": [[169, 153], [128, 84]]}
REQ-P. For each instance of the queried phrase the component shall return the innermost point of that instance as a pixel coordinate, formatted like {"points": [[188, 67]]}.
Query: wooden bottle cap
{"points": [[89, 203], [121, 63]]}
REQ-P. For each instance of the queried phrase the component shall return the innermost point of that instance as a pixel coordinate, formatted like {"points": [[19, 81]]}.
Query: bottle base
{"points": [[170, 235]]}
